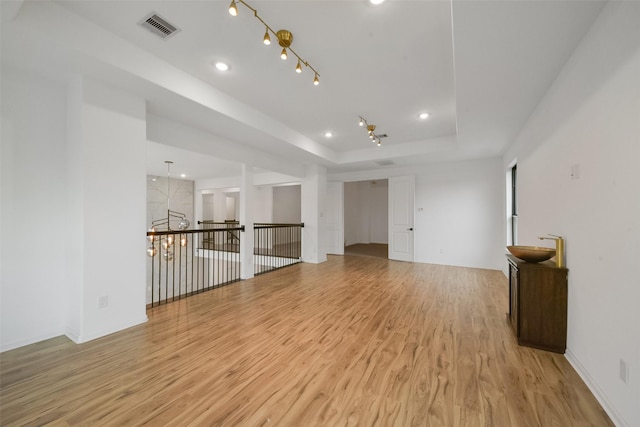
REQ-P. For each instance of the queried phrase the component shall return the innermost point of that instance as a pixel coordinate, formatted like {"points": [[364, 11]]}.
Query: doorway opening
{"points": [[366, 218]]}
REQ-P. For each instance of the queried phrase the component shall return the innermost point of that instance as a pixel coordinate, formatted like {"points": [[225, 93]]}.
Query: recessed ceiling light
{"points": [[376, 1], [328, 134], [183, 175], [222, 66], [423, 115]]}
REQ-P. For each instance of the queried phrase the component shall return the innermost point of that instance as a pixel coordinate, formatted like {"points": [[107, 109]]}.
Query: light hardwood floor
{"points": [[368, 249], [355, 341]]}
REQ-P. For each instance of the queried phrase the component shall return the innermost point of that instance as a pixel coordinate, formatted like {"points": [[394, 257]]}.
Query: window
{"points": [[513, 206]]}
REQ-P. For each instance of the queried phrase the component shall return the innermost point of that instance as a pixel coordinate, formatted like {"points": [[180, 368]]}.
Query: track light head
{"points": [[233, 8]]}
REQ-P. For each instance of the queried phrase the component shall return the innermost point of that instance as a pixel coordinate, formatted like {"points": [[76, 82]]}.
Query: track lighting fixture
{"points": [[266, 40], [285, 38], [371, 131]]}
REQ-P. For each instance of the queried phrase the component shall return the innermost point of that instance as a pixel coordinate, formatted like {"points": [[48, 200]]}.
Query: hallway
{"points": [[356, 340]]}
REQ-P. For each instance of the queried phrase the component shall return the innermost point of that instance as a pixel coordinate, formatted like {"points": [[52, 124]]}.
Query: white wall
{"points": [[208, 203], [32, 209], [73, 203], [459, 212], [462, 217], [110, 162], [378, 206], [263, 204], [351, 215], [590, 121], [271, 203], [232, 204], [287, 204]]}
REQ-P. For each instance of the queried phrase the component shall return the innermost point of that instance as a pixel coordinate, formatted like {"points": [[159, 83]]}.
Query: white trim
{"points": [[28, 341], [596, 390], [80, 339]]}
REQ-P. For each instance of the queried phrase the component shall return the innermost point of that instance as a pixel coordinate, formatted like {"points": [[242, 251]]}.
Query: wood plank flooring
{"points": [[355, 341]]}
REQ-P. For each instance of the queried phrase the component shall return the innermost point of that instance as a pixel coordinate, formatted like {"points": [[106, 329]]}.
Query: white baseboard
{"points": [[82, 338], [595, 389], [73, 335], [28, 341]]}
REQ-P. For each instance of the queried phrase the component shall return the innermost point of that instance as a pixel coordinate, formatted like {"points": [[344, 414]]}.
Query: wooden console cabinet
{"points": [[538, 304]]}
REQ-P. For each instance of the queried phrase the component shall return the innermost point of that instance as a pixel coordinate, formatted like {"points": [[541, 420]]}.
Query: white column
{"points": [[246, 218], [313, 190], [106, 166], [197, 207]]}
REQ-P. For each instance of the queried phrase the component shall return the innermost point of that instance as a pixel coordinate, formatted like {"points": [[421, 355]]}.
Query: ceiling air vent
{"points": [[385, 163], [159, 26]]}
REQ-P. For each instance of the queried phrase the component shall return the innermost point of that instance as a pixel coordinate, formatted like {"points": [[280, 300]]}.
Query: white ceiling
{"points": [[477, 67]]}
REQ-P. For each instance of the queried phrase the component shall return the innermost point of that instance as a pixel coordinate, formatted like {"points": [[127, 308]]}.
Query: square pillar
{"points": [[246, 218], [314, 186]]}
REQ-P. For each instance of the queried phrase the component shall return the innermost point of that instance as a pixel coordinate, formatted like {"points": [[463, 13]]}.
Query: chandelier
{"points": [[166, 242], [375, 137], [285, 38]]}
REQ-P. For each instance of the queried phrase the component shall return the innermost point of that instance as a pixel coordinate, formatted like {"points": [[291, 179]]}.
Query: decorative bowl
{"points": [[531, 253]]}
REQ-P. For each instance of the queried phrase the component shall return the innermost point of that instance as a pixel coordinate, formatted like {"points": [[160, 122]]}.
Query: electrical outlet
{"points": [[103, 301], [624, 371]]}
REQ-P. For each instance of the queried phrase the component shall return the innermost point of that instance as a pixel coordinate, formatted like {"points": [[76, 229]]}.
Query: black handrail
{"points": [[276, 245], [204, 230], [210, 257], [259, 225], [187, 262]]}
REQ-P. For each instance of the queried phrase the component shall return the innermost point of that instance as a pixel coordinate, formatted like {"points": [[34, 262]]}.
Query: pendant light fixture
{"points": [[164, 224], [285, 38]]}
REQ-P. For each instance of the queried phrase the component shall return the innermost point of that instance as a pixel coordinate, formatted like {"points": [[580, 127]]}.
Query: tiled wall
{"points": [[181, 198]]}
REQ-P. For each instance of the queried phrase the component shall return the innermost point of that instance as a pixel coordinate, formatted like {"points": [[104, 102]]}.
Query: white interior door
{"points": [[401, 202], [334, 220]]}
